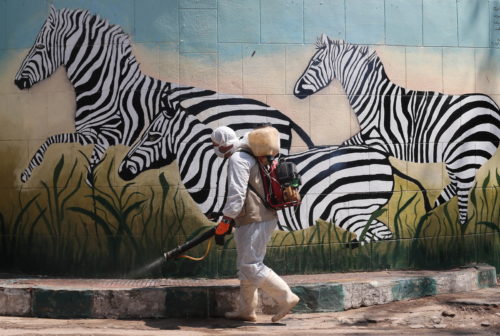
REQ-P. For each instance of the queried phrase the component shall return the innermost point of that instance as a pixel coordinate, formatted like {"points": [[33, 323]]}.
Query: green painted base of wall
{"points": [[424, 253]]}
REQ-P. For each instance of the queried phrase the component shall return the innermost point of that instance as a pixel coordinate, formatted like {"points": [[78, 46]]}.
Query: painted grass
{"points": [[67, 228]]}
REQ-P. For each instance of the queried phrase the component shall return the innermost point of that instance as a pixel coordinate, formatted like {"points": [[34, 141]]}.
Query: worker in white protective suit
{"points": [[254, 225]]}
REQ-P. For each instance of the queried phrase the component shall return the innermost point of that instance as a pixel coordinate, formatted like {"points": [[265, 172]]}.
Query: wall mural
{"points": [[347, 190], [463, 131], [114, 99], [328, 174]]}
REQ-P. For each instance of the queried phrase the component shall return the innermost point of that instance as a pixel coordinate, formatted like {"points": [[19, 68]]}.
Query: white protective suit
{"points": [[251, 239]]}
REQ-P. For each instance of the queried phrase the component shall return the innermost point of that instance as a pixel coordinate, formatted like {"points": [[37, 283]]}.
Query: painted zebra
{"points": [[241, 114], [115, 101], [341, 185], [463, 131]]}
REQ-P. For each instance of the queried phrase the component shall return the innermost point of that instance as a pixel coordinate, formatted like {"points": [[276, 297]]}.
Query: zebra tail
{"points": [[427, 204], [302, 134]]}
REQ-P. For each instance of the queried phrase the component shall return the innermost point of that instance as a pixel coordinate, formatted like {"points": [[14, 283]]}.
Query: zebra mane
{"points": [[65, 13], [370, 53], [320, 43], [84, 15]]}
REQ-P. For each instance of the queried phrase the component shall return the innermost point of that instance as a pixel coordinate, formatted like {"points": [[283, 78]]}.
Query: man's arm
{"points": [[237, 180]]}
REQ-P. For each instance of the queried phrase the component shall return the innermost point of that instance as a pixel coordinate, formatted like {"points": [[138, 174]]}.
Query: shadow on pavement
{"points": [[209, 323]]}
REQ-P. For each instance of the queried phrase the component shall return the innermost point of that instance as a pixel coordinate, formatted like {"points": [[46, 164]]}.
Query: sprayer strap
{"points": [[259, 196], [251, 187]]}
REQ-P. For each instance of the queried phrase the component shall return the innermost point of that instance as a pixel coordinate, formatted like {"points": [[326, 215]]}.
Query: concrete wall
{"points": [[57, 222]]}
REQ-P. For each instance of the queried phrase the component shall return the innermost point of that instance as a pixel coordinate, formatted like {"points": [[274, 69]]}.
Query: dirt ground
{"points": [[473, 313]]}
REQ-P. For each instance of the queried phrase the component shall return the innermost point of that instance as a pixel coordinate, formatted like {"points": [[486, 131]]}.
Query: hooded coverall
{"points": [[254, 222]]}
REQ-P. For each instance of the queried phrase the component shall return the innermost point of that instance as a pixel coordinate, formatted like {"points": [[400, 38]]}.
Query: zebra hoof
{"points": [[90, 179], [24, 177], [90, 183]]}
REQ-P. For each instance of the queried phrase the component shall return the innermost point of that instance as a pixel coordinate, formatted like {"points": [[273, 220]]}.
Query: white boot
{"points": [[278, 289], [247, 303]]}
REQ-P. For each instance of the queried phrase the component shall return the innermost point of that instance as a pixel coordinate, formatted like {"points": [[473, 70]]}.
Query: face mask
{"points": [[218, 152], [228, 149]]}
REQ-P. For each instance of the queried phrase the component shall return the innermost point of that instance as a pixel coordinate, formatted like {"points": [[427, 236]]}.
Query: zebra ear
{"points": [[322, 42], [52, 12], [52, 15], [324, 39]]}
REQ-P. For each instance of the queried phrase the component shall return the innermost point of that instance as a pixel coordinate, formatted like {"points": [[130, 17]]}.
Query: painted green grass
{"points": [[120, 229], [67, 228]]}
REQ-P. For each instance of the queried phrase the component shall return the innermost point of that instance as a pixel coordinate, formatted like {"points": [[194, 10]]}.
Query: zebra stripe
{"points": [[463, 131], [239, 113], [115, 101], [342, 185], [345, 185]]}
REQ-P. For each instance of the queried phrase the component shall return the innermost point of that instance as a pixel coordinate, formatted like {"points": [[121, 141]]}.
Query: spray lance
{"points": [[177, 252], [219, 239]]}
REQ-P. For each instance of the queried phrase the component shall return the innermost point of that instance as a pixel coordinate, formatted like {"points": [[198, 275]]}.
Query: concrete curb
{"points": [[318, 293]]}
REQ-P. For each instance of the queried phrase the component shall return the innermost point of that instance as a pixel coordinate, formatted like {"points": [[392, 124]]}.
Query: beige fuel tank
{"points": [[264, 141]]}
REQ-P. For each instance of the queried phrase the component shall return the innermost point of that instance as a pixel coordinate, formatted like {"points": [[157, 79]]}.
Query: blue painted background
{"points": [[199, 26], [207, 26]]}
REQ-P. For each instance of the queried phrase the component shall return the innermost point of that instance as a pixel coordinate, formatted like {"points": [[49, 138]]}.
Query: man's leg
{"points": [[252, 241]]}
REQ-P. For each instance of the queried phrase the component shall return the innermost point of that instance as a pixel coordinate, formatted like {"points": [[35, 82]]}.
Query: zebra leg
{"points": [[427, 204], [463, 200], [98, 154], [466, 178], [83, 139], [380, 231], [446, 194], [449, 191], [461, 190], [460, 186], [376, 231]]}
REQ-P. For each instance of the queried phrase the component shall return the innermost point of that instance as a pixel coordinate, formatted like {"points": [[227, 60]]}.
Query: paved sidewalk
{"points": [[181, 298], [469, 313]]}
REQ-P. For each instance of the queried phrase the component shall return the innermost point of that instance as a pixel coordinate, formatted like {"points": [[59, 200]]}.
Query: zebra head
{"points": [[45, 56], [153, 150], [319, 72]]}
